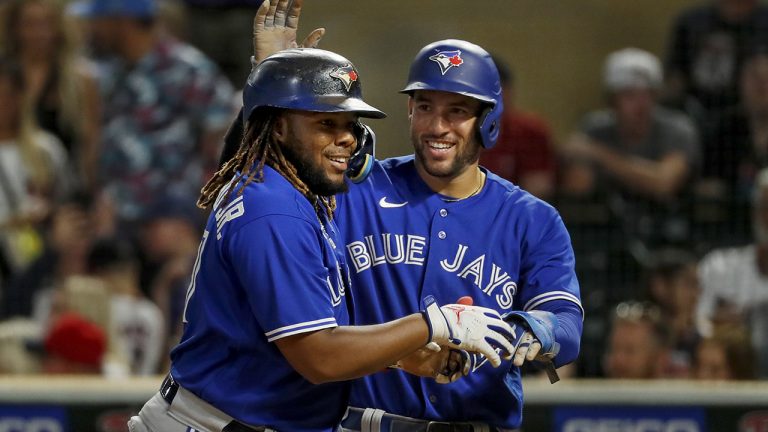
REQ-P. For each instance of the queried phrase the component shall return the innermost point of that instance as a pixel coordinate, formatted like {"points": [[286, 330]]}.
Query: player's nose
{"points": [[438, 125], [345, 138]]}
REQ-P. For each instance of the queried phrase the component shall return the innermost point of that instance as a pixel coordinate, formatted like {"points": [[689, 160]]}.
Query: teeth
{"points": [[339, 160], [439, 145]]}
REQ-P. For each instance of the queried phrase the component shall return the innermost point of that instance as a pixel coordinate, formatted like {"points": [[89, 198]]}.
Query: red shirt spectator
{"points": [[524, 149], [524, 153]]}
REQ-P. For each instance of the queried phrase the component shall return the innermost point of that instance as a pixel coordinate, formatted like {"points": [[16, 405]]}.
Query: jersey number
{"points": [[195, 269]]}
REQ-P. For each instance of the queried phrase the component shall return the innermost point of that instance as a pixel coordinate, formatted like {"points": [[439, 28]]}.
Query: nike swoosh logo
{"points": [[385, 204]]}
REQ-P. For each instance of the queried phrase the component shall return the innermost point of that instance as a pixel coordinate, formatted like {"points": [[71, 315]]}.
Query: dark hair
{"points": [[107, 254], [668, 263]]}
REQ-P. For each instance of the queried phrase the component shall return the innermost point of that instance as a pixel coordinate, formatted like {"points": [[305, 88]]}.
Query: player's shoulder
{"points": [[274, 196], [515, 199]]}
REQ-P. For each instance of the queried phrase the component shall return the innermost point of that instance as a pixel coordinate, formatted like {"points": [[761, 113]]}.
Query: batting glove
{"points": [[471, 328]]}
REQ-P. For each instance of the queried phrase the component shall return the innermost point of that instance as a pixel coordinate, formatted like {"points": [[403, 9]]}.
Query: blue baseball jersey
{"points": [[503, 247], [267, 269]]}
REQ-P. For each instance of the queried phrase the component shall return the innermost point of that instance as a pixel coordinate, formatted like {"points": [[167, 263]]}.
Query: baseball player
{"points": [[436, 223], [267, 340]]}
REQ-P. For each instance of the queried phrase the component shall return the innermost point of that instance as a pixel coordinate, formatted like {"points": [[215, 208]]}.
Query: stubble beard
{"points": [[309, 172]]}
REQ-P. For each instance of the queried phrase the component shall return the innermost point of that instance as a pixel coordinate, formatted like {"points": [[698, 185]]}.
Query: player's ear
{"points": [[280, 129], [410, 107]]}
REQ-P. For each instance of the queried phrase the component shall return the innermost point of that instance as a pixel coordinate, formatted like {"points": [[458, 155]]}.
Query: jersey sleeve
{"points": [[548, 266], [279, 261]]}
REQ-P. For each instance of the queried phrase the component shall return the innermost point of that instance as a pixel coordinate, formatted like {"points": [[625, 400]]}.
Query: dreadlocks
{"points": [[257, 149]]}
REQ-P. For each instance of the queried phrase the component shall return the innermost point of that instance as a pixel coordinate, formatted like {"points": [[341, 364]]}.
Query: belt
{"points": [[168, 391], [378, 421]]}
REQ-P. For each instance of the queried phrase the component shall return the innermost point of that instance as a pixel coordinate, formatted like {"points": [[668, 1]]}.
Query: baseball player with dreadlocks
{"points": [[267, 340], [435, 224]]}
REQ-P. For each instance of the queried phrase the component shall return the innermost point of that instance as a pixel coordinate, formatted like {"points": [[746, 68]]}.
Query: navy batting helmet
{"points": [[457, 66], [306, 79]]}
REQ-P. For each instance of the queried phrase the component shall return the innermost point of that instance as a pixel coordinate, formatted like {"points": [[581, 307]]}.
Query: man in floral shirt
{"points": [[166, 107]]}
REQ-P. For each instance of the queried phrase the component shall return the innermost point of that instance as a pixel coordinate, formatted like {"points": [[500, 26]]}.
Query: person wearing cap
{"points": [[166, 106], [268, 340], [635, 153], [74, 345]]}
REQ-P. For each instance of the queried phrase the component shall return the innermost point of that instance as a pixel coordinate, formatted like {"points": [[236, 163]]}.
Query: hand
{"points": [[471, 328], [527, 350], [275, 27], [538, 329], [444, 365]]}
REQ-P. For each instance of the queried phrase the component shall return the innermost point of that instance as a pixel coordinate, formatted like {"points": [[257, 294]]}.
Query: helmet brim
{"points": [[346, 104], [448, 88]]}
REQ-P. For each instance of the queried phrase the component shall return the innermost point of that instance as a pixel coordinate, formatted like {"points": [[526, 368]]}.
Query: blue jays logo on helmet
{"points": [[346, 74], [447, 60]]}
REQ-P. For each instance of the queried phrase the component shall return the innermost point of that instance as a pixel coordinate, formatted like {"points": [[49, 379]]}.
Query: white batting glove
{"points": [[471, 328]]}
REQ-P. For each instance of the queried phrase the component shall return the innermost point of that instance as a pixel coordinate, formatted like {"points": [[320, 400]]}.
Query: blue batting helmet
{"points": [[458, 66], [306, 79]]}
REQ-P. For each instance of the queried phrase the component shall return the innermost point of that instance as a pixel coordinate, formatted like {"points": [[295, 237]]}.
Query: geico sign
{"points": [[623, 425], [42, 424]]}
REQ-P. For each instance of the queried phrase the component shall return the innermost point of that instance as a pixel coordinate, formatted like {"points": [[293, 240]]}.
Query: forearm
{"points": [[349, 352], [568, 331], [661, 179]]}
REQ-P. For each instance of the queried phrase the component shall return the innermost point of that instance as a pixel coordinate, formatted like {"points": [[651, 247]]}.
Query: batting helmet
{"points": [[457, 66], [306, 79]]}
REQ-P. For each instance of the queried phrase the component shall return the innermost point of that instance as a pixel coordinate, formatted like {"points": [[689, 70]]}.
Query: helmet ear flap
{"points": [[488, 125], [361, 162]]}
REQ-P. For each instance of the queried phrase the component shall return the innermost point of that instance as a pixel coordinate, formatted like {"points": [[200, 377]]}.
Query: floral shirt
{"points": [[156, 114]]}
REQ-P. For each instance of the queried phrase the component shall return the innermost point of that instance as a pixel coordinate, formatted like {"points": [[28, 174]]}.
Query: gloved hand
{"points": [[275, 27], [471, 328], [538, 340]]}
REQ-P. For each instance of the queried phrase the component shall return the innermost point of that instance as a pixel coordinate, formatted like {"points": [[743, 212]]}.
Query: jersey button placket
{"points": [[442, 235], [443, 212]]}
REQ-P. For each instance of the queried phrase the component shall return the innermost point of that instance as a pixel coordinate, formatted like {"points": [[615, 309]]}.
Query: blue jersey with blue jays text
{"points": [[267, 269], [503, 247]]}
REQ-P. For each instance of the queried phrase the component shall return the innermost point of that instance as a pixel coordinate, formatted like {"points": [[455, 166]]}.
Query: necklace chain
{"points": [[479, 188]]}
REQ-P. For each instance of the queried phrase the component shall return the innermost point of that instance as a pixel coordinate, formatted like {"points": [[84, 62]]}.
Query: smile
{"points": [[440, 145], [339, 161]]}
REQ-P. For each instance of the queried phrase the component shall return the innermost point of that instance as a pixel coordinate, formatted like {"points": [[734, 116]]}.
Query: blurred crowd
{"points": [[110, 125]]}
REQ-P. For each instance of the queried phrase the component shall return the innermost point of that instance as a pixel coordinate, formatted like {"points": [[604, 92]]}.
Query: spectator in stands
{"points": [[170, 238], [59, 82], [635, 154], [66, 245], [728, 355], [524, 153], [734, 280], [34, 176], [74, 345], [707, 47], [223, 30], [136, 323], [637, 347], [166, 108], [738, 147], [673, 285]]}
